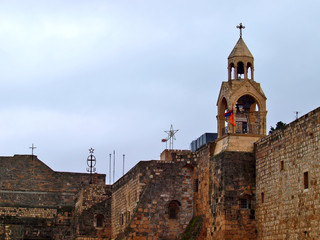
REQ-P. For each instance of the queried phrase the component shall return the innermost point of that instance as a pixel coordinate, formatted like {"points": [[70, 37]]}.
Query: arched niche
{"points": [[173, 209]]}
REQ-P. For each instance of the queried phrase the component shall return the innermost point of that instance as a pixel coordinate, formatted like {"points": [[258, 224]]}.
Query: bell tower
{"points": [[241, 102]]}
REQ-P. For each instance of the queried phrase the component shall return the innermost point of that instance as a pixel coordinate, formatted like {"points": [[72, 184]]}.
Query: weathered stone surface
{"points": [[285, 208]]}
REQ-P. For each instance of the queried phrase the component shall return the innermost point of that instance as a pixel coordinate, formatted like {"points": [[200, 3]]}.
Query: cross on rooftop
{"points": [[32, 148], [241, 27]]}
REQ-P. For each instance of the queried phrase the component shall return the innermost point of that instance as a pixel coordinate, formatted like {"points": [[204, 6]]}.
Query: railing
{"points": [[243, 125], [245, 128]]}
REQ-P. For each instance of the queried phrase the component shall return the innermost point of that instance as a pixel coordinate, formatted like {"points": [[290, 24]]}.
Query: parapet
{"points": [[168, 154]]}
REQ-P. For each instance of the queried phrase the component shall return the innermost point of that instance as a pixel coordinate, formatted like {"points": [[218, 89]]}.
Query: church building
{"points": [[240, 183]]}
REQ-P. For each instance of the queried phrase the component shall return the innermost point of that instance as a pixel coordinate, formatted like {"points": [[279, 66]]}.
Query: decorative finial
{"points": [[91, 162], [241, 27], [171, 136], [91, 150]]}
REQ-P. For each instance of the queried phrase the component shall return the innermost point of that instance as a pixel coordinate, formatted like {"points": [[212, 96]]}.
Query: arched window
{"points": [[249, 71], [173, 209], [99, 220], [232, 72], [240, 70]]}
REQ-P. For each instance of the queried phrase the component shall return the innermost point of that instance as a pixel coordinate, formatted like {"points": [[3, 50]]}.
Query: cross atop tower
{"points": [[241, 27]]}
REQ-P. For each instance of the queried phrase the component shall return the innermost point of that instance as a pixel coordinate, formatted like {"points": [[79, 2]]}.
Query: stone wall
{"points": [[154, 187], [126, 195], [201, 186], [37, 202], [224, 180], [93, 212], [288, 173], [232, 192], [36, 223], [26, 181]]}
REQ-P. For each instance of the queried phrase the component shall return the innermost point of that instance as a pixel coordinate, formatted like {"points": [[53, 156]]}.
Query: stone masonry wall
{"points": [[288, 177], [26, 181], [152, 186], [232, 189], [93, 212], [125, 197], [223, 181], [201, 186], [169, 182], [37, 202]]}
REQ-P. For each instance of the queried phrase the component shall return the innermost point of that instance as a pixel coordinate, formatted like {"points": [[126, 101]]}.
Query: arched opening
{"points": [[99, 220], [240, 70], [247, 115], [249, 71], [223, 106], [173, 209], [232, 72]]}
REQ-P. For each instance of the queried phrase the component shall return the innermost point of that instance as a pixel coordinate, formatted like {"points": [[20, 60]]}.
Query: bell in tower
{"points": [[241, 96]]}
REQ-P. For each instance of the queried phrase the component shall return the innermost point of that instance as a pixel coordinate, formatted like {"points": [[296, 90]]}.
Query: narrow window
{"points": [[173, 209], [99, 219], [249, 71], [213, 207], [306, 180], [196, 185], [243, 203], [262, 197], [252, 214], [281, 166]]}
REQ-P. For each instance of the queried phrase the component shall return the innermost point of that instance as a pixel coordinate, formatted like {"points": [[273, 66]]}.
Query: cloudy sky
{"points": [[114, 75]]}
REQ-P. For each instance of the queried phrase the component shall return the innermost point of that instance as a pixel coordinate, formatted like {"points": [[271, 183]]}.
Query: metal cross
{"points": [[32, 148], [241, 27], [91, 162]]}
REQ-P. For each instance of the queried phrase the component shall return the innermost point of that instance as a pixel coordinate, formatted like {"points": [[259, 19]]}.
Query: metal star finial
{"points": [[91, 150], [171, 136]]}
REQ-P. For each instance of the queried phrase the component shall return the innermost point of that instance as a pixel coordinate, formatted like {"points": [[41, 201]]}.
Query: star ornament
{"points": [[91, 150], [171, 133]]}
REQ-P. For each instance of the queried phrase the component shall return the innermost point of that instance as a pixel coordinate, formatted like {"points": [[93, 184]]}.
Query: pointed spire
{"points": [[240, 50]]}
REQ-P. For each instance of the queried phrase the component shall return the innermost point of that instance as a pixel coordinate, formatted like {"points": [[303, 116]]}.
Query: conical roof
{"points": [[240, 50]]}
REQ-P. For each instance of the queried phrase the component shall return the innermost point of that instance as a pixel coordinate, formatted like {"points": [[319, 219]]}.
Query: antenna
{"points": [[110, 169], [123, 164], [114, 163]]}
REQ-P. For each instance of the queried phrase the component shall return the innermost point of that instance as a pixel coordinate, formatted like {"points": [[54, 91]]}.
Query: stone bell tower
{"points": [[241, 96], [241, 122]]}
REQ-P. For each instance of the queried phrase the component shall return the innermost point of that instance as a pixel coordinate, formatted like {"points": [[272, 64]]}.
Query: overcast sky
{"points": [[114, 75]]}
